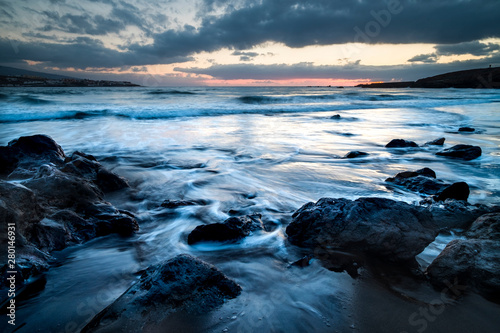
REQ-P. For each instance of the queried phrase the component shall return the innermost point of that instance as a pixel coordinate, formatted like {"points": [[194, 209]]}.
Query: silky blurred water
{"points": [[243, 151]]}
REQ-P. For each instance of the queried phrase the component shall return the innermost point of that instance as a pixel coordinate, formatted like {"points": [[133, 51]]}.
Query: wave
{"points": [[3, 96], [27, 99], [170, 92]]}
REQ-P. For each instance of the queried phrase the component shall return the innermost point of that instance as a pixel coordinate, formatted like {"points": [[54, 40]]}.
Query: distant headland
{"points": [[486, 78], [14, 77]]}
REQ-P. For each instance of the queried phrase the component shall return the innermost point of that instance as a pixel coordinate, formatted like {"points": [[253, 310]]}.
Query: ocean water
{"points": [[250, 150]]}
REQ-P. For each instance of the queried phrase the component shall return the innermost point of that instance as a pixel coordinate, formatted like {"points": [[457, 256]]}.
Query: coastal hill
{"points": [[15, 77], [486, 78]]}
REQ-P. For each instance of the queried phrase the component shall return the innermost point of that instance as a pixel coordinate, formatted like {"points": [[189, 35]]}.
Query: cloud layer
{"points": [[92, 34]]}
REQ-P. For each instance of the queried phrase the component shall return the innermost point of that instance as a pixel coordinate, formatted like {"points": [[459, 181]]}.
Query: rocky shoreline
{"points": [[58, 200]]}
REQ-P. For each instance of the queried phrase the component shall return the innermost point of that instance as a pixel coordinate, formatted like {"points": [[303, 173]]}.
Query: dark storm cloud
{"points": [[82, 53], [425, 58], [354, 72], [245, 56], [243, 24], [473, 48]]}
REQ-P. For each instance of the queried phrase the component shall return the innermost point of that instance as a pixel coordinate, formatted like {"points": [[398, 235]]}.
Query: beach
{"points": [[238, 151]]}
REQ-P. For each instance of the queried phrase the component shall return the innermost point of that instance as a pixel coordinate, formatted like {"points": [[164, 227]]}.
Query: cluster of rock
{"points": [[56, 201], [462, 152]]}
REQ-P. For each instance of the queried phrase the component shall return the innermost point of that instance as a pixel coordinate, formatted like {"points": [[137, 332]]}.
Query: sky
{"points": [[250, 42]]}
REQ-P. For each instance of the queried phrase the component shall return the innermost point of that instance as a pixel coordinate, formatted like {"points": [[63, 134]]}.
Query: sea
{"points": [[245, 150]]}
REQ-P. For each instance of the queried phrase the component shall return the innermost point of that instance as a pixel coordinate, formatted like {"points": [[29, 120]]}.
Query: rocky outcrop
{"points": [[472, 263], [183, 283], [466, 129], [400, 143], [29, 151], [394, 231], [232, 229], [182, 203], [463, 152], [59, 204]]}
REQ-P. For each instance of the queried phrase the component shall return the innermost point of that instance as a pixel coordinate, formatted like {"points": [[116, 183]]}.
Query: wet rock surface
{"points": [[183, 283], [59, 203], [463, 152], [377, 227], [231, 230], [401, 143]]}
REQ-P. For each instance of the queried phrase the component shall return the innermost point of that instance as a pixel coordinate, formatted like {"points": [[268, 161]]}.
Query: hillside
{"points": [[485, 78]]}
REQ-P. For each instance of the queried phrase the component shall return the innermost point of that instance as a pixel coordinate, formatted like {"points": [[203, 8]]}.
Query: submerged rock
{"points": [[437, 142], [467, 129], [395, 231], [400, 143], [355, 154], [464, 152], [232, 229], [182, 203], [183, 283], [422, 181]]}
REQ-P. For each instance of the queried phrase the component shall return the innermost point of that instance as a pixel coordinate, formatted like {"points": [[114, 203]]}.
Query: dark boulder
{"points": [[232, 229], [455, 214], [464, 152], [400, 143], [468, 264], [421, 181], [437, 142], [395, 231], [457, 191], [355, 154], [336, 117], [183, 283], [60, 190], [30, 151], [86, 166], [486, 226], [466, 129]]}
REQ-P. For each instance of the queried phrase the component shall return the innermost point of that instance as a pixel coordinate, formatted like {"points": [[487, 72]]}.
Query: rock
{"points": [[456, 214], [393, 230], [232, 229], [183, 283], [486, 227], [466, 129], [468, 264], [109, 181], [400, 143], [421, 181], [355, 154], [61, 190], [182, 203], [30, 151], [457, 191], [464, 152], [336, 117], [86, 166], [437, 142]]}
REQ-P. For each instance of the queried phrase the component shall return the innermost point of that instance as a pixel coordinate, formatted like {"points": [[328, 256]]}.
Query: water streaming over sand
{"points": [[243, 151]]}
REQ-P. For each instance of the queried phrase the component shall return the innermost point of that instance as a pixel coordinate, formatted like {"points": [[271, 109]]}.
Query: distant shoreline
{"points": [[36, 81], [482, 78]]}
